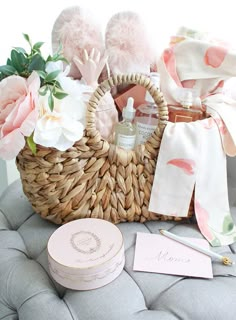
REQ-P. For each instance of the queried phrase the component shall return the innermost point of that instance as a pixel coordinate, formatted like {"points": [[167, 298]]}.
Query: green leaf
{"points": [[43, 91], [57, 84], [9, 62], [228, 224], [57, 57], [31, 144], [61, 58], [215, 242], [37, 63], [20, 49], [41, 73], [8, 70], [49, 58], [18, 61], [60, 95], [27, 38], [2, 76], [51, 102], [52, 75], [37, 46]]}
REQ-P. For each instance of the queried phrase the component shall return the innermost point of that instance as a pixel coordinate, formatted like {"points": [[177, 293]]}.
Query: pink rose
{"points": [[18, 112]]}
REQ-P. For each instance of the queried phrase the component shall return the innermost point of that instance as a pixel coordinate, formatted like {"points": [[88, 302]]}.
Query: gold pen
{"points": [[225, 260]]}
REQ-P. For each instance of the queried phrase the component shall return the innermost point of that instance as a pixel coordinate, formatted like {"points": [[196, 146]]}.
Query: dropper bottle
{"points": [[125, 131], [146, 118]]}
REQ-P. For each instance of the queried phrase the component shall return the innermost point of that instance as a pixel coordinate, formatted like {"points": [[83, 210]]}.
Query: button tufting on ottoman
{"points": [[28, 292]]}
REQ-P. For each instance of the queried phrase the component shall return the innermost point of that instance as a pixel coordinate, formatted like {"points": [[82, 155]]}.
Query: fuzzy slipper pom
{"points": [[76, 29], [127, 44]]}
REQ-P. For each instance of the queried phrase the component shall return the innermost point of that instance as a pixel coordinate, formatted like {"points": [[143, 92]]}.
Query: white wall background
{"points": [[162, 18]]}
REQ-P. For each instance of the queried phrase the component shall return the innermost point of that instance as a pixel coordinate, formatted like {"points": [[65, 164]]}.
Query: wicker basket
{"points": [[95, 178]]}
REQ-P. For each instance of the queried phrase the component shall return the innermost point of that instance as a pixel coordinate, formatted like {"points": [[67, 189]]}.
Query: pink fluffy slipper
{"points": [[127, 44], [76, 29]]}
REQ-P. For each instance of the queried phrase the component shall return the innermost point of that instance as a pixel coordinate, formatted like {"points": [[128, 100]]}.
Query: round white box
{"points": [[86, 254]]}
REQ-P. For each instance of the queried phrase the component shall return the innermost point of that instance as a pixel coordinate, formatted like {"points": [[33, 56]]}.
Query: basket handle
{"points": [[116, 80]]}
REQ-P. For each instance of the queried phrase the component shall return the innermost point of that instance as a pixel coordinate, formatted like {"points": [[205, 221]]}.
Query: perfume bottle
{"points": [[189, 109], [147, 114], [125, 131]]}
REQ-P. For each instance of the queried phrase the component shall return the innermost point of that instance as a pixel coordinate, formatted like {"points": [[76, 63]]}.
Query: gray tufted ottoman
{"points": [[27, 291]]}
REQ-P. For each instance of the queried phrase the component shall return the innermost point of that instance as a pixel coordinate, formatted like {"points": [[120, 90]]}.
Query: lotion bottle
{"points": [[125, 131]]}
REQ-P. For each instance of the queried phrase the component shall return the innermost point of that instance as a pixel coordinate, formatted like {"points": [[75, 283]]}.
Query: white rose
{"points": [[60, 128]]}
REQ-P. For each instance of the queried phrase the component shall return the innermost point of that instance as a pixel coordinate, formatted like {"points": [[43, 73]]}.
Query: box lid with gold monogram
{"points": [[86, 254]]}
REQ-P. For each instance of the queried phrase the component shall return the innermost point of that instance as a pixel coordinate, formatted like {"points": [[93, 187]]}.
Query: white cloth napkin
{"points": [[191, 155], [202, 66]]}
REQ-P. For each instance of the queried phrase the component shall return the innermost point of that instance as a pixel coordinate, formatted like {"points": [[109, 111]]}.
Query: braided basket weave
{"points": [[95, 178]]}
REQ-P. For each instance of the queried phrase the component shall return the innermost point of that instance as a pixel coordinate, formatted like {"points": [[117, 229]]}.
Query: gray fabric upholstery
{"points": [[27, 291]]}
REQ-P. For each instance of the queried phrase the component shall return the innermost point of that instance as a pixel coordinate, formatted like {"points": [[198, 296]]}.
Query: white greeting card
{"points": [[157, 253]]}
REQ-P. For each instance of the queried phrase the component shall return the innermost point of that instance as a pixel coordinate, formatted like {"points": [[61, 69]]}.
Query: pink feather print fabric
{"points": [[170, 62], [210, 123], [214, 56], [187, 165], [202, 219]]}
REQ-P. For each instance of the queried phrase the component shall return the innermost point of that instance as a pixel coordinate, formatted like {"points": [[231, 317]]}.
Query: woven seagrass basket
{"points": [[95, 178]]}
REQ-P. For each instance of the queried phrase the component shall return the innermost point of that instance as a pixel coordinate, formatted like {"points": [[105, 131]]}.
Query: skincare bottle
{"points": [[125, 131], [188, 110], [147, 114]]}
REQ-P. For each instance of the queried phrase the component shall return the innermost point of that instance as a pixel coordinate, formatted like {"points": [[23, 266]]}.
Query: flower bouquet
{"points": [[39, 103], [46, 124]]}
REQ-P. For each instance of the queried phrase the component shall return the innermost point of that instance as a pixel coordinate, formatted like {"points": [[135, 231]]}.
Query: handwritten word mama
{"points": [[164, 256]]}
